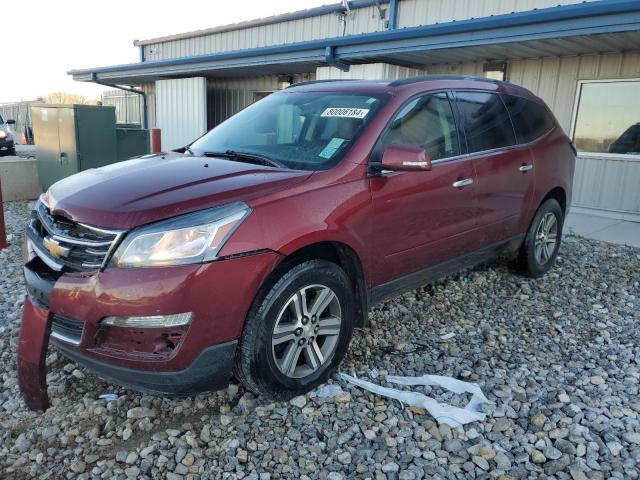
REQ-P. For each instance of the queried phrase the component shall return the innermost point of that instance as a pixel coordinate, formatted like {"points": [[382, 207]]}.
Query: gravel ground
{"points": [[558, 358]]}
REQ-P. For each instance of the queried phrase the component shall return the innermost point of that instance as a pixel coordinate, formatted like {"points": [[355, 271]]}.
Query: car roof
{"points": [[425, 82]]}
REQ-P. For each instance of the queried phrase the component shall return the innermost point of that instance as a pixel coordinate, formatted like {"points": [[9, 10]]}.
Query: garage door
{"points": [[181, 110]]}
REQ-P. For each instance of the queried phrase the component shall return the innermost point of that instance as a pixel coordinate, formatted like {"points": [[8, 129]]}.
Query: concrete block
{"points": [[19, 179]]}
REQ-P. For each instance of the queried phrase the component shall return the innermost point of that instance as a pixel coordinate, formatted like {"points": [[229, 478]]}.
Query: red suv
{"points": [[256, 250]]}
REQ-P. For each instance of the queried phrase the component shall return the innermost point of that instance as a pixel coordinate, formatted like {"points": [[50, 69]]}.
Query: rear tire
{"points": [[540, 248], [290, 343]]}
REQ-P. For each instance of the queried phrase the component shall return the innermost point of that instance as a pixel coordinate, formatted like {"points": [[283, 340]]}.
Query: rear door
{"points": [[505, 178], [420, 218]]}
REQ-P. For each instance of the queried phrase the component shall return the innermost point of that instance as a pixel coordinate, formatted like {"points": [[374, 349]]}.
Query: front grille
{"points": [[67, 329], [67, 244]]}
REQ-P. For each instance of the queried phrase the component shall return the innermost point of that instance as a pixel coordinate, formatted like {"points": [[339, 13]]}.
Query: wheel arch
{"points": [[336, 252], [559, 194]]}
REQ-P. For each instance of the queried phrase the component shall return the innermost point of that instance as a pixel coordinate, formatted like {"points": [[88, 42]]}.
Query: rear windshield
{"points": [[301, 130]]}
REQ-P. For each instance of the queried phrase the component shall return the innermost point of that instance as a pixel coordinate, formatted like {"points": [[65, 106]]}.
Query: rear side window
{"points": [[426, 122], [530, 119], [486, 121]]}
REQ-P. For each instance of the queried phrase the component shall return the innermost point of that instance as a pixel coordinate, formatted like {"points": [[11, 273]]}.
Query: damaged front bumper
{"points": [[69, 309]]}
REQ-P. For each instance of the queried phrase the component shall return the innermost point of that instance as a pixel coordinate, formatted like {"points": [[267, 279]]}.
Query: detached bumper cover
{"points": [[32, 353]]}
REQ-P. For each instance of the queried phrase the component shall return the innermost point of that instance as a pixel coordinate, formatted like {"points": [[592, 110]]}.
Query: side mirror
{"points": [[406, 158], [11, 122]]}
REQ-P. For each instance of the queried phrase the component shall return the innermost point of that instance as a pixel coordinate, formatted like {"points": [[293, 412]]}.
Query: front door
{"points": [[422, 218], [505, 177]]}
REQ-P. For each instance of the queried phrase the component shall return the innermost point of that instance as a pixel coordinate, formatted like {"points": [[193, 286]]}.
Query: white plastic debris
{"points": [[108, 397], [328, 391], [373, 374], [447, 336], [443, 413]]}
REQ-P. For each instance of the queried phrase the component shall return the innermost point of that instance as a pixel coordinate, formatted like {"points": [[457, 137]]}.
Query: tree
{"points": [[66, 98]]}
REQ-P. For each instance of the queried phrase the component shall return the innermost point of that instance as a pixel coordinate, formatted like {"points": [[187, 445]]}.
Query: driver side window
{"points": [[426, 122]]}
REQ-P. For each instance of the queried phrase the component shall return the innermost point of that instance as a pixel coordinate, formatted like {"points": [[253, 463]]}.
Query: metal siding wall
{"points": [[128, 105], [362, 20], [425, 12], [181, 110], [371, 71], [358, 21], [227, 97]]}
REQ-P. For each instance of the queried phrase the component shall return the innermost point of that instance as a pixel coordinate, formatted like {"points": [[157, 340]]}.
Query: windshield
{"points": [[1, 120], [300, 130]]}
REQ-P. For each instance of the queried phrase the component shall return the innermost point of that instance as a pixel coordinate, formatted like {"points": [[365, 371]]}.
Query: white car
{"points": [[7, 146]]}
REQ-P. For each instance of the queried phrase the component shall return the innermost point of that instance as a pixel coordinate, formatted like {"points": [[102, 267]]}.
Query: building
{"points": [[582, 58]]}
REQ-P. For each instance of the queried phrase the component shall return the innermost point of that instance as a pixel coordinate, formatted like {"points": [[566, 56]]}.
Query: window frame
{"points": [[376, 154], [574, 118], [464, 132]]}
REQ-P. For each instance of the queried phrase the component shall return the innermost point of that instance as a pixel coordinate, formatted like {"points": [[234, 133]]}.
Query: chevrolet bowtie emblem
{"points": [[55, 248]]}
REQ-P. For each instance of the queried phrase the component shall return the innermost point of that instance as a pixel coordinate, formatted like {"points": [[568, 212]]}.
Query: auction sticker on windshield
{"points": [[331, 148], [345, 112]]}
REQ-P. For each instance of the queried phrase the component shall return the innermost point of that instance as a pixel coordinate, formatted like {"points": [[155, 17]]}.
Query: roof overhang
{"points": [[592, 27]]}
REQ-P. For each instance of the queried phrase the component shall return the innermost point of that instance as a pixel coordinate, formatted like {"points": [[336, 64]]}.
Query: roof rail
{"points": [[311, 82], [424, 78]]}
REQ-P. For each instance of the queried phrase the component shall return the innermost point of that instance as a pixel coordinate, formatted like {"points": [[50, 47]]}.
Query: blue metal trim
{"points": [[574, 15], [330, 58], [393, 14]]}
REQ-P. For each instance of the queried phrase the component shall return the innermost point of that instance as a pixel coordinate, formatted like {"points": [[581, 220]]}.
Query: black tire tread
{"points": [[246, 351], [524, 263]]}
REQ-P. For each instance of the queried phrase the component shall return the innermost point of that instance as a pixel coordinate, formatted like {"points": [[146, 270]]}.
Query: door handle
{"points": [[465, 182], [525, 167]]}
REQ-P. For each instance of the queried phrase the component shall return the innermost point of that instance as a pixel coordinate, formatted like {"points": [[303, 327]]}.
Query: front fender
{"points": [[335, 213]]}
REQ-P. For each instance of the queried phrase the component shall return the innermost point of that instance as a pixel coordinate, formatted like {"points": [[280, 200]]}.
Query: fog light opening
{"points": [[162, 345]]}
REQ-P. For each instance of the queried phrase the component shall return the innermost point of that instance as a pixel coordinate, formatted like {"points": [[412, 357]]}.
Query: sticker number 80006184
{"points": [[345, 112]]}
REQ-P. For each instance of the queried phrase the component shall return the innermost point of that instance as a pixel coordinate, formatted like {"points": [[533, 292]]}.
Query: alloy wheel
{"points": [[546, 238], [306, 331]]}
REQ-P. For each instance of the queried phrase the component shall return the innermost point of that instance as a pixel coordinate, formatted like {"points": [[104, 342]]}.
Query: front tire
{"points": [[297, 332], [541, 244]]}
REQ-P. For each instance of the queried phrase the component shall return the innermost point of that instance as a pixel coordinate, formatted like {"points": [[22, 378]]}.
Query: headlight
{"points": [[3, 134], [192, 238]]}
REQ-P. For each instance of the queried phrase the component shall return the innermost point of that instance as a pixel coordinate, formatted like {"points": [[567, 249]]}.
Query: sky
{"points": [[49, 38]]}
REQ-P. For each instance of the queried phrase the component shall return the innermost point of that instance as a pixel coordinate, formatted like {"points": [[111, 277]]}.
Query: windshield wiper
{"points": [[246, 157]]}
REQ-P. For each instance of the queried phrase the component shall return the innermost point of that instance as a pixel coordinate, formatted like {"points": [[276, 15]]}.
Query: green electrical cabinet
{"points": [[132, 141], [73, 138]]}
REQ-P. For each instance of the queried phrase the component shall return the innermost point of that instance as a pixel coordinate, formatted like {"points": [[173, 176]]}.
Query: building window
{"points": [[495, 70], [607, 118]]}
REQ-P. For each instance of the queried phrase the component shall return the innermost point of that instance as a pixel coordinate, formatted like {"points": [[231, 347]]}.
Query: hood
{"points": [[154, 187]]}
